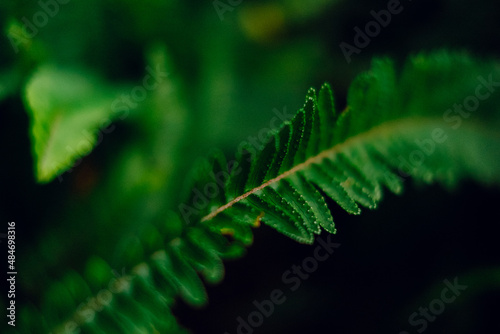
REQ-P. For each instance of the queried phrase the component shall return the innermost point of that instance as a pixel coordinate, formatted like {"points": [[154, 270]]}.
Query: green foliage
{"points": [[347, 156], [142, 300], [67, 109], [393, 126], [109, 226]]}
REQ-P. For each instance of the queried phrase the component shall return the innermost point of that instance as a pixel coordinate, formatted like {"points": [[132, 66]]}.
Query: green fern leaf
{"points": [[391, 123], [395, 126]]}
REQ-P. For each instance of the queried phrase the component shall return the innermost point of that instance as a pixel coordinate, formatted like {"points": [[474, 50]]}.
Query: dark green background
{"points": [[391, 261]]}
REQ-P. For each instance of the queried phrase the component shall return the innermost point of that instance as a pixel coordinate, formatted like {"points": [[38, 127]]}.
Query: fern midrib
{"points": [[377, 131]]}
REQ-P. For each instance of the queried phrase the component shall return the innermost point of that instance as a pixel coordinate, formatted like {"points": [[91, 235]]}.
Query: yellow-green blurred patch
{"points": [[69, 110]]}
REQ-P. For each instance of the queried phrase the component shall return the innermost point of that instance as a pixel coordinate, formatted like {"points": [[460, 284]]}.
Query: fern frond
{"points": [[395, 126], [391, 128], [140, 300]]}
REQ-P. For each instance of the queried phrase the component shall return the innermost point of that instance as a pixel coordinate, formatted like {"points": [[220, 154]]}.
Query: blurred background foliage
{"points": [[228, 76]]}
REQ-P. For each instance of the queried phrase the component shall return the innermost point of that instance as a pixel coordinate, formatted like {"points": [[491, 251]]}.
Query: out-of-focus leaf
{"points": [[69, 112]]}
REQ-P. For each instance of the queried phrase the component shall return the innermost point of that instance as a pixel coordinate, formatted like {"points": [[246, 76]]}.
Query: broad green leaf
{"points": [[69, 111]]}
